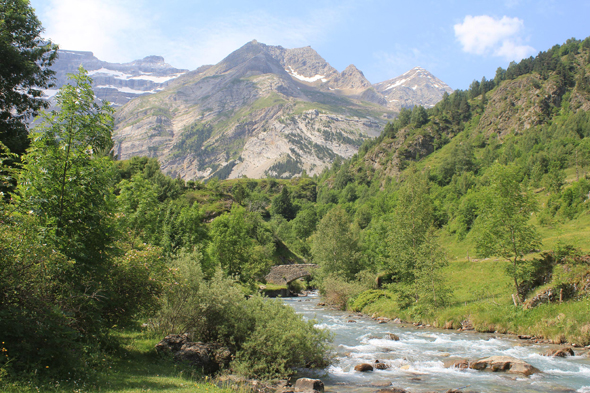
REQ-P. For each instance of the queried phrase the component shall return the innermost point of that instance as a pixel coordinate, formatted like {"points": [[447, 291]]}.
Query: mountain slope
{"points": [[251, 114], [546, 98]]}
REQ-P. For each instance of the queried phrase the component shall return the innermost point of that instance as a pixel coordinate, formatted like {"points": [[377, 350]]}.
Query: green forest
{"points": [[473, 212]]}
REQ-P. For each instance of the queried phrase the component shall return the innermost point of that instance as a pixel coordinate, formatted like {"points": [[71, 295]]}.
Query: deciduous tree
{"points": [[503, 226]]}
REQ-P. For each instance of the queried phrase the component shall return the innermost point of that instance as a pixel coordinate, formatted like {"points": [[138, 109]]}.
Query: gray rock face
{"points": [[248, 116], [415, 87], [262, 111], [113, 82]]}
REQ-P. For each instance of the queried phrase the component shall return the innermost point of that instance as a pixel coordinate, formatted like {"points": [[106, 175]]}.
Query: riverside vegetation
{"points": [[94, 248]]}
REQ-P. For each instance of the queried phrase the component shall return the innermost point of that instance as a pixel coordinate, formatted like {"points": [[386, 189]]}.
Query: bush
{"points": [[37, 304], [279, 340], [368, 297], [338, 292], [268, 338]]}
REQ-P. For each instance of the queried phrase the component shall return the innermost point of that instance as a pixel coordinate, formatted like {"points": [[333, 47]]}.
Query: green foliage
{"points": [[413, 217], [286, 168], [419, 116], [26, 58], [339, 292], [282, 205], [137, 277], [280, 341], [335, 245], [241, 244], [268, 337], [36, 305], [65, 179], [430, 286], [66, 282], [503, 225], [138, 205], [366, 298]]}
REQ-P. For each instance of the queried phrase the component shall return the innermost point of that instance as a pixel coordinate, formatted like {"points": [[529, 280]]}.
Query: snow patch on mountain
{"points": [[311, 79]]}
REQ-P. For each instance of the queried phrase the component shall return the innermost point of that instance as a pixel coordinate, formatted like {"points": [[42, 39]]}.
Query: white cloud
{"points": [[125, 30], [483, 35], [108, 28]]}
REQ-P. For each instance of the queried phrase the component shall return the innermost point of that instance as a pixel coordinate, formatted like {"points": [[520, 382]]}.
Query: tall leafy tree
{"points": [[240, 244], [503, 226], [413, 217], [24, 69], [335, 245], [419, 116], [67, 177]]}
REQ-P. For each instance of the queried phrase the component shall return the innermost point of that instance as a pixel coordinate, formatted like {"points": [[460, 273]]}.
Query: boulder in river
{"points": [[391, 390], [560, 352], [380, 366], [504, 363], [392, 336], [363, 367], [309, 385], [461, 364]]}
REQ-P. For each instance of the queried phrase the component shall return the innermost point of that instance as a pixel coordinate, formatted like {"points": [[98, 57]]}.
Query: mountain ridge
{"points": [[260, 108]]}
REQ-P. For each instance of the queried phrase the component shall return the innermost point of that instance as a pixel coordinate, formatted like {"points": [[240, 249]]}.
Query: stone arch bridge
{"points": [[284, 274]]}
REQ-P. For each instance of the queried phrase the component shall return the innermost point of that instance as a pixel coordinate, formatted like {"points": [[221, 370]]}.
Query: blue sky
{"points": [[458, 41]]}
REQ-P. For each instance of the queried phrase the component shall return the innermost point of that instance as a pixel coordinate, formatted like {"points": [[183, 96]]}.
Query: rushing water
{"points": [[416, 360]]}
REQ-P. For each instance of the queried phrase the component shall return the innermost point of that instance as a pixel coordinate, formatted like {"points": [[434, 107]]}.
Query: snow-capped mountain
{"points": [[114, 82], [415, 87], [262, 111]]}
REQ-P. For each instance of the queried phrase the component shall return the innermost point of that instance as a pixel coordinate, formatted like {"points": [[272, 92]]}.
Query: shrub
{"points": [[279, 341], [268, 338], [37, 304], [368, 297], [338, 291]]}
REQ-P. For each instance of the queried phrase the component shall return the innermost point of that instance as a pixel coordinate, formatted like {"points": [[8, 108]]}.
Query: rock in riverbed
{"points": [[504, 363], [391, 390], [461, 364], [560, 353], [309, 385], [380, 366], [363, 367]]}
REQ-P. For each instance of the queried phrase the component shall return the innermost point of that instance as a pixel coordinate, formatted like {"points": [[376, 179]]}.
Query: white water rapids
{"points": [[417, 359]]}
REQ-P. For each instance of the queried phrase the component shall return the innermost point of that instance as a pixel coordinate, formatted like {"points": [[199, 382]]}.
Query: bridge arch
{"points": [[284, 274]]}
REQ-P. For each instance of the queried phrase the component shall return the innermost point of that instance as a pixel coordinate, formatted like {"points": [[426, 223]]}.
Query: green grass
{"points": [[136, 368], [482, 294]]}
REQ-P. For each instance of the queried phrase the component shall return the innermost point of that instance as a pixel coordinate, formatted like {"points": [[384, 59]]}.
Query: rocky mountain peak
{"points": [[303, 64], [351, 79], [262, 111], [153, 59], [414, 87]]}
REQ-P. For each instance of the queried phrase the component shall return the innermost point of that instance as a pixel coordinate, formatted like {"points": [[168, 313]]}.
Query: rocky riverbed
{"points": [[424, 359]]}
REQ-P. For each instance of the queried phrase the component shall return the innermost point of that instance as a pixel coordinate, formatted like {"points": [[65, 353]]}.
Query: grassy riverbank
{"points": [[482, 295], [134, 368]]}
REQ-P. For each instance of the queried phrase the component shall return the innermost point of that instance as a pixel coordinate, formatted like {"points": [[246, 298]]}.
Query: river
{"points": [[416, 360]]}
